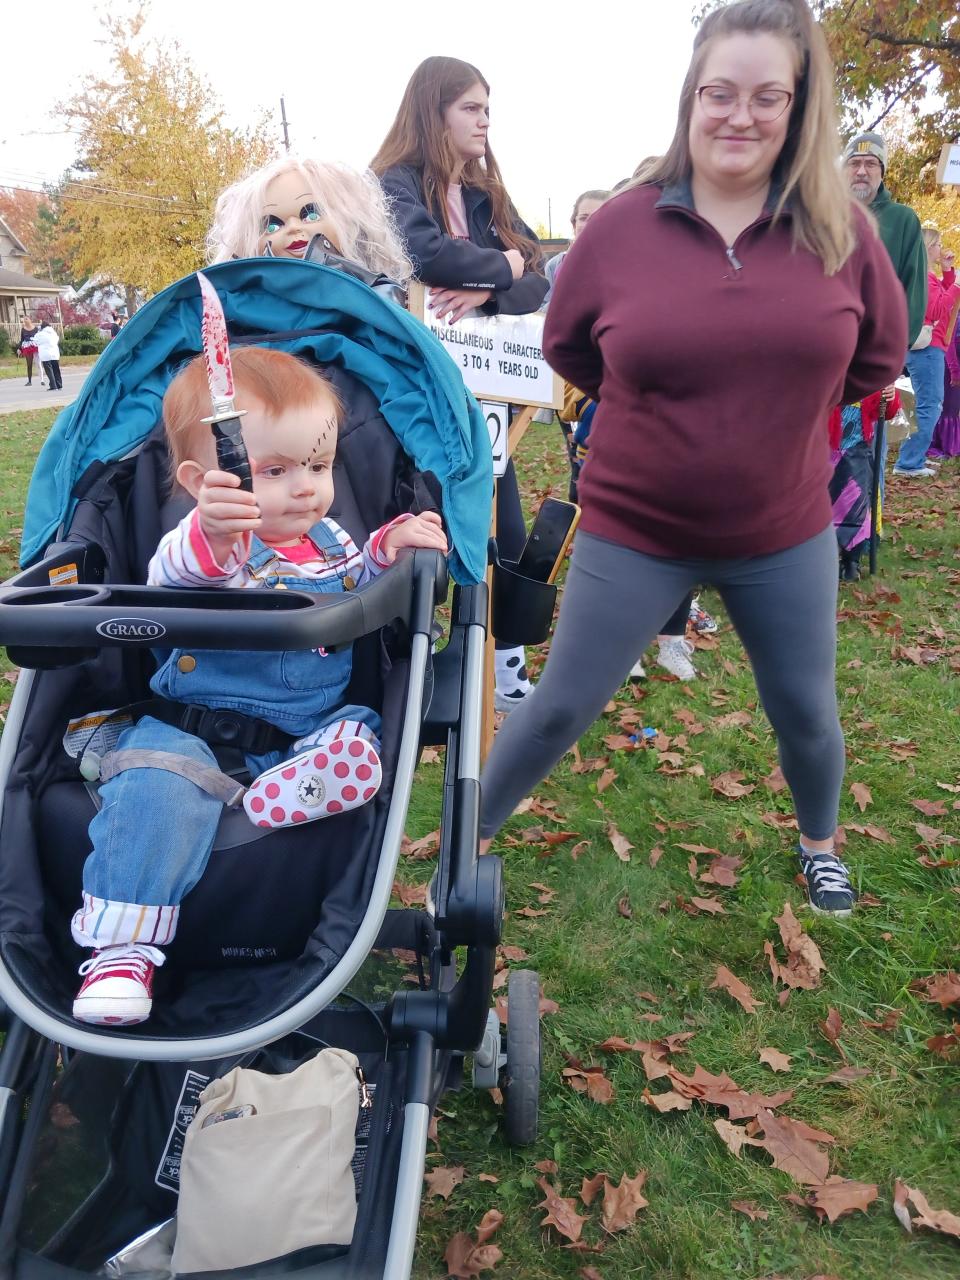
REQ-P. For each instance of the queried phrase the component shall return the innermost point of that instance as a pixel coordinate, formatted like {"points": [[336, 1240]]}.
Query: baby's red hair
{"points": [[272, 379]]}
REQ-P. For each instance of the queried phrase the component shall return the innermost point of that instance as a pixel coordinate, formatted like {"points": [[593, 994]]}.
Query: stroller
{"points": [[92, 1119]]}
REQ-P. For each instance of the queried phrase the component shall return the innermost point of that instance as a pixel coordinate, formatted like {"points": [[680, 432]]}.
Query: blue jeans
{"points": [[926, 373], [154, 832]]}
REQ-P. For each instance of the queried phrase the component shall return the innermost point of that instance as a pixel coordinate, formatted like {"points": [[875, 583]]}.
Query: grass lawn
{"points": [[11, 367], [623, 952]]}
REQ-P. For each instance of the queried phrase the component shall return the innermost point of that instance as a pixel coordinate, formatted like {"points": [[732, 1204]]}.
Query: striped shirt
{"points": [[184, 558]]}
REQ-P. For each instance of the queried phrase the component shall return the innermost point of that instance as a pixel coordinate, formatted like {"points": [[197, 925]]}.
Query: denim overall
{"points": [[155, 829]]}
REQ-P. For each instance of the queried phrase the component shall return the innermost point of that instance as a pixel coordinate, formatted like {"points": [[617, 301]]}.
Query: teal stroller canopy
{"points": [[304, 308]]}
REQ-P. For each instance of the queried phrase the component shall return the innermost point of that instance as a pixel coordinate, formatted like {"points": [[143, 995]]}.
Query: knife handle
{"points": [[232, 455]]}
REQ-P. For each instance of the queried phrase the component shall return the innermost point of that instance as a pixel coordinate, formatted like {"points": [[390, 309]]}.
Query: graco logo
{"points": [[132, 629]]}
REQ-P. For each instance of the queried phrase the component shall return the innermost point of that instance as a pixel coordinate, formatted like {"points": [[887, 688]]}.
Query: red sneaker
{"points": [[117, 985]]}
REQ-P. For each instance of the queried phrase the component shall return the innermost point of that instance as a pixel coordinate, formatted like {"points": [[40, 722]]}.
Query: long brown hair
{"points": [[419, 137], [820, 202]]}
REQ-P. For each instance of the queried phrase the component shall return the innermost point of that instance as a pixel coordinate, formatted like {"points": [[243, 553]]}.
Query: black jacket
{"points": [[477, 263]]}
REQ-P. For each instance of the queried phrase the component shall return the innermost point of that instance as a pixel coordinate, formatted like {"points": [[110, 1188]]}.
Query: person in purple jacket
{"points": [[718, 308]]}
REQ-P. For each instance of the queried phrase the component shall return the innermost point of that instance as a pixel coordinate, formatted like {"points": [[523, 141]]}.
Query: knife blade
{"points": [[225, 419]]}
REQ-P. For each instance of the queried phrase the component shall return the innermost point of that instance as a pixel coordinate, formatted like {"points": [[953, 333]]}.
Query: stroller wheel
{"points": [[521, 1075]]}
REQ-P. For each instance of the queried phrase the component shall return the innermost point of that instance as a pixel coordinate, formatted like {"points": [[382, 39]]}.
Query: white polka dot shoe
{"points": [[340, 772]]}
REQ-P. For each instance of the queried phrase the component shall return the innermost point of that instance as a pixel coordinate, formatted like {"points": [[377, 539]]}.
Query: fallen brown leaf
{"points": [[861, 795], [608, 776], [621, 845], [831, 1028], [730, 784], [712, 905], [947, 1044], [624, 909], [420, 850], [467, 1258], [931, 808], [592, 1082], [934, 1219], [750, 1209], [940, 988], [887, 1023], [804, 961], [561, 1213], [735, 1136], [846, 1075], [441, 1181], [775, 781], [872, 830], [547, 1166], [838, 1196], [669, 1101], [729, 982], [793, 1151], [590, 1188], [622, 1203], [774, 1059], [722, 871], [488, 1177]]}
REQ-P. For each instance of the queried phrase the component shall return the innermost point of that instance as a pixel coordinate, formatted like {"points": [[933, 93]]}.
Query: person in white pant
{"points": [[48, 353]]}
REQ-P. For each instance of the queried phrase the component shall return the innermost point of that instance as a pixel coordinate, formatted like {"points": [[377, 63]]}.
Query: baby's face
{"points": [[291, 217], [292, 459]]}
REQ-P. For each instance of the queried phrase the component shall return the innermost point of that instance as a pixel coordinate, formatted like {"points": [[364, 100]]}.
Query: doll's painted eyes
{"points": [[271, 223]]}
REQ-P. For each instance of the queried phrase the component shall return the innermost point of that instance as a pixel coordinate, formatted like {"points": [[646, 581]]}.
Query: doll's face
{"points": [[290, 217]]}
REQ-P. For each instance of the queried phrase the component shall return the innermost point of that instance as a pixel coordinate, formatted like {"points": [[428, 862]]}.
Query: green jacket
{"points": [[900, 233]]}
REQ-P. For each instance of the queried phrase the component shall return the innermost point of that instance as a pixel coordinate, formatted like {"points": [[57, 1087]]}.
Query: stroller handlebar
{"points": [[94, 616]]}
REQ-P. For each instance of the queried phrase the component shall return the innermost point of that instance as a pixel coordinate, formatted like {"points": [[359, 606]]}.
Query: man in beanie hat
{"points": [[865, 163]]}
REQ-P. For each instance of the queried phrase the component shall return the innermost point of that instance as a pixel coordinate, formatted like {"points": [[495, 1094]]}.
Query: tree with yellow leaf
{"points": [[153, 155]]}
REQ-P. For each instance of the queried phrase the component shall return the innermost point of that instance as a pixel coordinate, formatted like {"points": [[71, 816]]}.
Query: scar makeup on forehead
{"points": [[329, 424]]}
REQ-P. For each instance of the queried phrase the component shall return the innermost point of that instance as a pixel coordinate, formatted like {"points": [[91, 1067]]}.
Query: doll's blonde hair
{"points": [[354, 202]]}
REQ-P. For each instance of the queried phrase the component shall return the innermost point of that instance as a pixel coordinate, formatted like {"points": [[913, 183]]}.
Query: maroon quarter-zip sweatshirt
{"points": [[716, 370]]}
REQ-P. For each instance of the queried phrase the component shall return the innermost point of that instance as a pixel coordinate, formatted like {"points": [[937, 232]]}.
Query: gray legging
{"points": [[784, 609]]}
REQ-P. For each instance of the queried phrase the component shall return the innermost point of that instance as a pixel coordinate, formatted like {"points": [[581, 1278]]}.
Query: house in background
{"points": [[19, 292]]}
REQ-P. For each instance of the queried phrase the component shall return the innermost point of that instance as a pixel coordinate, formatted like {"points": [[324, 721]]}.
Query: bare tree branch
{"points": [[924, 71], [911, 42]]}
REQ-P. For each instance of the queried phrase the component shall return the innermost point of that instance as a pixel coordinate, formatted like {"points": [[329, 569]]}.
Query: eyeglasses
{"points": [[870, 163], [718, 102]]}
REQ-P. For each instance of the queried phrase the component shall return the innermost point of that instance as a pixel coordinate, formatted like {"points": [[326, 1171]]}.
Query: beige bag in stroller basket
{"points": [[266, 1165]]}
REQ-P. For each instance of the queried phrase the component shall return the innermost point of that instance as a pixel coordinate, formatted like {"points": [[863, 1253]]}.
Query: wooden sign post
{"points": [[501, 361]]}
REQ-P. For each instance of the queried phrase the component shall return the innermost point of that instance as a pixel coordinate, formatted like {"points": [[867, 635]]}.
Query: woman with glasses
{"points": [[719, 307], [469, 246]]}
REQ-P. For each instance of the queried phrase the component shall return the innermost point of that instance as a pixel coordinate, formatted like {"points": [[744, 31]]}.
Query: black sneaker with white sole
{"points": [[828, 884]]}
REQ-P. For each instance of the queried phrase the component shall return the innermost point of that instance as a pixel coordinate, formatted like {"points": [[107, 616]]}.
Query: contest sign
{"points": [[948, 167], [499, 357]]}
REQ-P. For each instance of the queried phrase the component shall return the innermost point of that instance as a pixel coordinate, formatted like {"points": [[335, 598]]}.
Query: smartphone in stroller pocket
{"points": [[552, 531]]}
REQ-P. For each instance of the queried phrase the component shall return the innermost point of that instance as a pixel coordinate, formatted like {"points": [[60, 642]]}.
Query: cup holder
{"points": [[522, 607], [57, 595]]}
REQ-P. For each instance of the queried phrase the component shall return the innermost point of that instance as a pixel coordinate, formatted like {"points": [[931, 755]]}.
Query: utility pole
{"points": [[283, 117], [550, 217]]}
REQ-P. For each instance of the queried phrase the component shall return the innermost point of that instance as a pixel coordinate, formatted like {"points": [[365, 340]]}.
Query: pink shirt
{"points": [[456, 212]]}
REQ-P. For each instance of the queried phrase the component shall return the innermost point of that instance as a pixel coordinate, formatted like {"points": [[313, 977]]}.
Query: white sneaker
{"points": [[674, 656], [637, 672], [915, 473]]}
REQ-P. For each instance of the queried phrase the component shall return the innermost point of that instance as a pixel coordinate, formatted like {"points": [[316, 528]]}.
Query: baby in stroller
{"points": [[279, 537]]}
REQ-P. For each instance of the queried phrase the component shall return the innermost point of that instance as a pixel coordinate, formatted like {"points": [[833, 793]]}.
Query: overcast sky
{"points": [[579, 92]]}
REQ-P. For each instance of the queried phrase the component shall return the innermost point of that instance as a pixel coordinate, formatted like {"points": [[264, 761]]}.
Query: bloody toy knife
{"points": [[225, 419]]}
